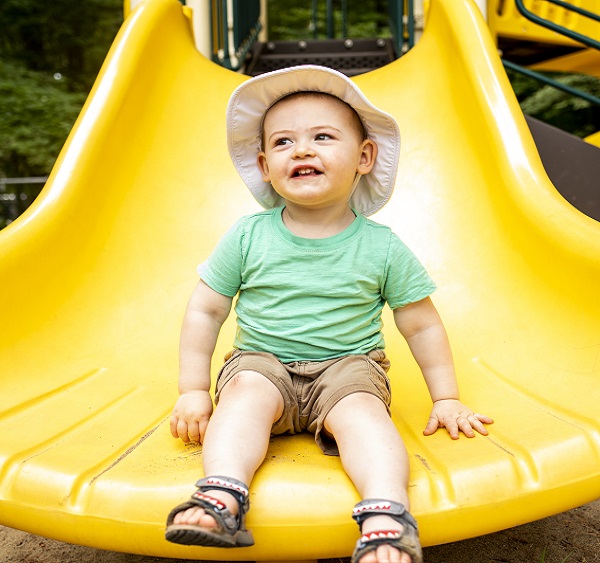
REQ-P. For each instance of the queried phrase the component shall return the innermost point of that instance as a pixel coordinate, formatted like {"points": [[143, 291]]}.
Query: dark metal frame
{"points": [[247, 26], [526, 13], [566, 33]]}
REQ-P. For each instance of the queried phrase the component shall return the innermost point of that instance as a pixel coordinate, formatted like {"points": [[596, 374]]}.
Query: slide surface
{"points": [[586, 61], [96, 275]]}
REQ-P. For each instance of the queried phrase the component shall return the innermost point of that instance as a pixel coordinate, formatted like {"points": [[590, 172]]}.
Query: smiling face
{"points": [[313, 148]]}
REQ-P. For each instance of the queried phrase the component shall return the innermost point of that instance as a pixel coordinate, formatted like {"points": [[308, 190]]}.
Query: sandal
{"points": [[406, 540], [230, 530]]}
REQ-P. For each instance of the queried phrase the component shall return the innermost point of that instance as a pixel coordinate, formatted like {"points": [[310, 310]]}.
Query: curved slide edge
{"points": [[97, 272]]}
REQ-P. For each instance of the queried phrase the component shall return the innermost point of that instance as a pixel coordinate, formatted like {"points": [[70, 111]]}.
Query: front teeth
{"points": [[305, 171]]}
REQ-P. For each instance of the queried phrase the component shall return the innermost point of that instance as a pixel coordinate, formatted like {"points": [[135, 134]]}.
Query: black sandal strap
{"points": [[406, 540], [231, 529], [229, 485], [372, 507]]}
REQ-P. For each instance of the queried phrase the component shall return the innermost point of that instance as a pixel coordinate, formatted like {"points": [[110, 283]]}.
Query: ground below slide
{"points": [[570, 537]]}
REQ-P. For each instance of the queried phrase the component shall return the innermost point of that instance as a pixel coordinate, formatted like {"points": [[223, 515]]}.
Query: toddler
{"points": [[311, 274]]}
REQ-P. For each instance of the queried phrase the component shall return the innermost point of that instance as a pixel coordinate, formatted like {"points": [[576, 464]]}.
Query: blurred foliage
{"points": [[546, 103], [68, 37], [50, 55], [368, 18], [365, 18], [37, 114]]}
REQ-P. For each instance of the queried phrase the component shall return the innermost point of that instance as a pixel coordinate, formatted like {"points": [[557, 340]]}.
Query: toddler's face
{"points": [[313, 148]]}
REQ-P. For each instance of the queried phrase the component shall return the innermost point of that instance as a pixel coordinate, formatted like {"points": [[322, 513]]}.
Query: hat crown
{"points": [[251, 100]]}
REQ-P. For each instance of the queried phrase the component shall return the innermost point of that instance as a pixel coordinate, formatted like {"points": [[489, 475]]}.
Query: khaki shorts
{"points": [[311, 389]]}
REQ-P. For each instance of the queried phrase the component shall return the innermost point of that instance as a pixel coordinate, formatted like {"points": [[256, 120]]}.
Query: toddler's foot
{"points": [[213, 517], [384, 553], [197, 516], [388, 533]]}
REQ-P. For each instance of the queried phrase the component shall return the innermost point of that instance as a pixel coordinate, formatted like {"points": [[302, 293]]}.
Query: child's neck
{"points": [[317, 223]]}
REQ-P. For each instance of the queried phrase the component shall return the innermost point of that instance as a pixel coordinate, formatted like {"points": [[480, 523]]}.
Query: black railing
{"points": [[551, 82], [246, 27], [402, 22], [566, 32], [230, 46], [585, 40]]}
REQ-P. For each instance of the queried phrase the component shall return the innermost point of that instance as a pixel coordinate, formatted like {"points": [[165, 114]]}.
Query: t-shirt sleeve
{"points": [[222, 271], [406, 279]]}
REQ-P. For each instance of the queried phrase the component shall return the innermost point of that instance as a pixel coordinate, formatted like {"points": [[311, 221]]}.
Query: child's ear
{"points": [[367, 157], [261, 160]]}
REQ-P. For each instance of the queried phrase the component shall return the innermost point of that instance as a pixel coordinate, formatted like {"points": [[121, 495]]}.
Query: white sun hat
{"points": [[250, 101]]}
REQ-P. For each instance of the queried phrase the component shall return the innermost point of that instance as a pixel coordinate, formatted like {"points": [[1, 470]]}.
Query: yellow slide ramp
{"points": [[95, 278], [586, 61]]}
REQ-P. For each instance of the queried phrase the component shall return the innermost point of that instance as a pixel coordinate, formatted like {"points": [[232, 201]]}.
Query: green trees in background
{"points": [[546, 103], [50, 55], [366, 18], [63, 36], [51, 52], [37, 113]]}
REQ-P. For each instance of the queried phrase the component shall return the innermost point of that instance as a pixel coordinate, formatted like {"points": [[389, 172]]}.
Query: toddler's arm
{"points": [[422, 327], [205, 314]]}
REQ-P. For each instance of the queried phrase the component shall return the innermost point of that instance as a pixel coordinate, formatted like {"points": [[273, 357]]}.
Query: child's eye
{"points": [[323, 137], [282, 142]]}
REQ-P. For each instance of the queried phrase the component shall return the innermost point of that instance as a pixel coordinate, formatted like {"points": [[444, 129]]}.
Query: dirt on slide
{"points": [[570, 537]]}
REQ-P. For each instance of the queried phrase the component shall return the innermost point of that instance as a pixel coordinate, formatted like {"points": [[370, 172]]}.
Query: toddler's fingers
{"points": [[182, 431], [194, 432], [477, 424], [453, 426], [465, 424], [483, 418], [173, 424], [432, 426]]}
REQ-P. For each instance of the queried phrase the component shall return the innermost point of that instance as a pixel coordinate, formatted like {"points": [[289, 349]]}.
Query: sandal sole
{"points": [[192, 535]]}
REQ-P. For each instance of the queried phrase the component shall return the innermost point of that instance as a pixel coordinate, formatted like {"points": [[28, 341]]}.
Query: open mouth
{"points": [[304, 172]]}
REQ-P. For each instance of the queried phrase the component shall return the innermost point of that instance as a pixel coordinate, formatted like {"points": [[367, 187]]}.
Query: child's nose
{"points": [[303, 149]]}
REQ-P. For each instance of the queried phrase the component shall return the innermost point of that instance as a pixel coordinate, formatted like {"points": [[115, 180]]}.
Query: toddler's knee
{"points": [[244, 378], [359, 400], [249, 388], [343, 413], [248, 385]]}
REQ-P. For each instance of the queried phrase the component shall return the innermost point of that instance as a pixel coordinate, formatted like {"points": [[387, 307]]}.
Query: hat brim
{"points": [[250, 101]]}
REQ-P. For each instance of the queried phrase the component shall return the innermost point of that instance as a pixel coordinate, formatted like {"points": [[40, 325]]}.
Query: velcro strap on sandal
{"points": [[406, 541], [381, 535], [224, 518], [227, 484], [210, 500], [372, 507]]}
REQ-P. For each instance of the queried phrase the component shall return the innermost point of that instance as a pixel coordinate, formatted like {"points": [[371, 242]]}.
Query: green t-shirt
{"points": [[313, 299]]}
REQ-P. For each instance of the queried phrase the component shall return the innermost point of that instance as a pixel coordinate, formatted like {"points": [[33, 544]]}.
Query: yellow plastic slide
{"points": [[96, 275], [586, 61]]}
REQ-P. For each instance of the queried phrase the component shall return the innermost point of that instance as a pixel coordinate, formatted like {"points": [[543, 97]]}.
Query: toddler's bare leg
{"points": [[374, 457], [237, 437]]}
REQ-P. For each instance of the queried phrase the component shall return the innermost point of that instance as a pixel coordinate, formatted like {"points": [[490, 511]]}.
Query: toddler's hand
{"points": [[190, 416], [456, 417]]}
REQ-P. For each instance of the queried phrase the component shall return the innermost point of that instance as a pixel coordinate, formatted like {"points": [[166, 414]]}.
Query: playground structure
{"points": [[96, 274], [532, 36]]}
